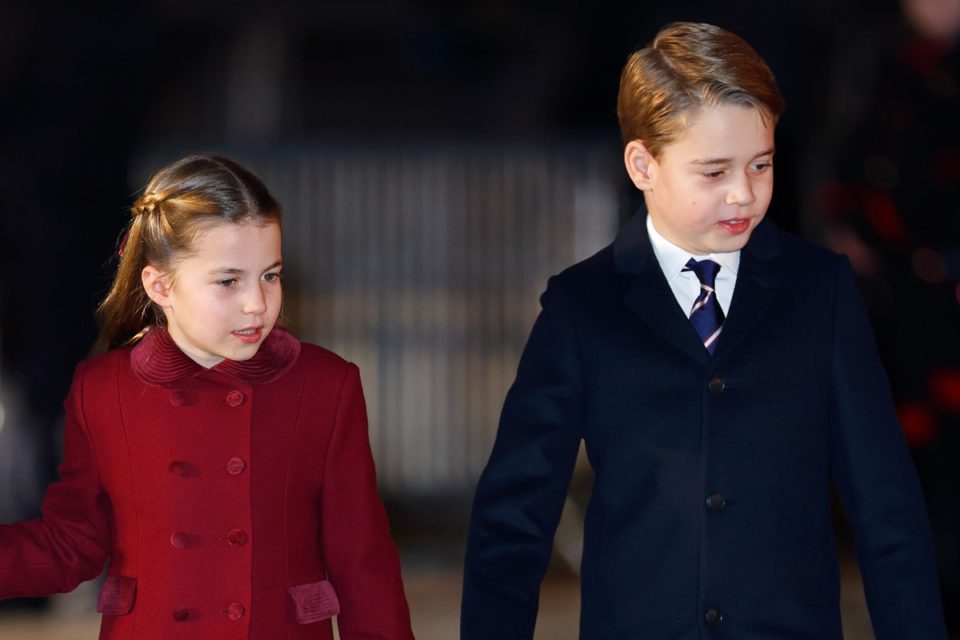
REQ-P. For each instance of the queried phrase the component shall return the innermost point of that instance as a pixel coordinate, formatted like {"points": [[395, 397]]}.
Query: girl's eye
{"points": [[271, 277], [227, 282], [760, 167], [713, 175]]}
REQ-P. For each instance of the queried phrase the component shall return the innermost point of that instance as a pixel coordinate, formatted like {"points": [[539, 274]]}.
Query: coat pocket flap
{"points": [[314, 602], [116, 596]]}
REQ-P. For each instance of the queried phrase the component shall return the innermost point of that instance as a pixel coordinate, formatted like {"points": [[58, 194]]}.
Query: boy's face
{"points": [[711, 186]]}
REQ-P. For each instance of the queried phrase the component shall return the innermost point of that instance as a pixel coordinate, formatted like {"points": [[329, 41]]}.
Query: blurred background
{"points": [[437, 161]]}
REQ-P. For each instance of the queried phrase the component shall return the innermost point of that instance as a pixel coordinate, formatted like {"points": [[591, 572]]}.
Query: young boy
{"points": [[722, 375]]}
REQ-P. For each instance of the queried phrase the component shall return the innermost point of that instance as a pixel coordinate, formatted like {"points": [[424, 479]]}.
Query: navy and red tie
{"points": [[706, 315]]}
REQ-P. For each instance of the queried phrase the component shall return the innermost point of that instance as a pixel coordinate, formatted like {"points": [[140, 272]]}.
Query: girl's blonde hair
{"points": [[688, 66], [181, 200]]}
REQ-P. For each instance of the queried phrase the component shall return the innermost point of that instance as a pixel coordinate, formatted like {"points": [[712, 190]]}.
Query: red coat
{"points": [[234, 502]]}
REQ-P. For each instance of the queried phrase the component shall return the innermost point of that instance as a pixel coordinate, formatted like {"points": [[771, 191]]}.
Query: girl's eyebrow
{"points": [[275, 265], [235, 271]]}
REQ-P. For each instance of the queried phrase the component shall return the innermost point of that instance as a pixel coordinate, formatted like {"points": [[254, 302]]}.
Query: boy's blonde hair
{"points": [[688, 66]]}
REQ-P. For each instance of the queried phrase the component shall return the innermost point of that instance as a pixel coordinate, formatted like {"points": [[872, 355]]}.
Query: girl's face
{"points": [[222, 300]]}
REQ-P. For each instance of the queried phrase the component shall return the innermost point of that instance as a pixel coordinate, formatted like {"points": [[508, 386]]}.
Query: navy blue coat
{"points": [[710, 515]]}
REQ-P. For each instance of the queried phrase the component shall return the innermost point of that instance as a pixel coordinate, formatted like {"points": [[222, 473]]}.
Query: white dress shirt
{"points": [[684, 284]]}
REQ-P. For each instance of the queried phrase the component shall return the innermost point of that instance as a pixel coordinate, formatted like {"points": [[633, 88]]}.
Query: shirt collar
{"points": [[673, 259], [157, 359]]}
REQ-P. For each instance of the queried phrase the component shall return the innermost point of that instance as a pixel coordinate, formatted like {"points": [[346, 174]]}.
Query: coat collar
{"points": [[648, 296], [156, 359]]}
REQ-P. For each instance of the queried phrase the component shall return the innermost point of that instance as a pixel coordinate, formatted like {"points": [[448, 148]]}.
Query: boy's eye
{"points": [[271, 277], [762, 166], [713, 174], [227, 282]]}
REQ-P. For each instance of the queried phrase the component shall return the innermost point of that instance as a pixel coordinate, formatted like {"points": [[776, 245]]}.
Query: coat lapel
{"points": [[757, 286], [649, 296]]}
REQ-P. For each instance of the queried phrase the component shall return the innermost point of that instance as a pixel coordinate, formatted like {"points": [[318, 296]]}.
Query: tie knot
{"points": [[706, 270]]}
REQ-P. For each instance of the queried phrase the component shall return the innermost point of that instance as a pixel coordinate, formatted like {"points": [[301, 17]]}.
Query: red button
{"points": [[237, 537], [181, 615], [235, 466], [179, 540], [180, 468], [178, 398], [235, 611], [235, 398]]}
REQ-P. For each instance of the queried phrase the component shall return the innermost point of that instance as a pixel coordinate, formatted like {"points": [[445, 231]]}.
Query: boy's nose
{"points": [[741, 194]]}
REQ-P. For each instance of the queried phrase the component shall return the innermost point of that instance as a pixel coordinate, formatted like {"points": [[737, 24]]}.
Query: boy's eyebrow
{"points": [[716, 161]]}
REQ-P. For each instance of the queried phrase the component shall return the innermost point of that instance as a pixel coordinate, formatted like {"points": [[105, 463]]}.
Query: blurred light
{"points": [[919, 425], [3, 416], [945, 389], [928, 265]]}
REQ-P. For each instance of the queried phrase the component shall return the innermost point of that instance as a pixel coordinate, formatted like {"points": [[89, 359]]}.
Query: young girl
{"points": [[220, 465]]}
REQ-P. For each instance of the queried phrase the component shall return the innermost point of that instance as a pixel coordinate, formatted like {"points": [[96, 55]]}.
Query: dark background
{"points": [[868, 158]]}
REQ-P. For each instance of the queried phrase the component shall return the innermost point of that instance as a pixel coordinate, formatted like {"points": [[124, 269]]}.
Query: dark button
{"points": [[237, 537], [181, 615], [716, 385], [235, 611], [235, 466], [179, 540], [178, 398], [716, 502], [235, 398], [713, 616]]}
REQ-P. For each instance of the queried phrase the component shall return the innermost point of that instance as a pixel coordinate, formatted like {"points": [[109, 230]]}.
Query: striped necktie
{"points": [[706, 314]]}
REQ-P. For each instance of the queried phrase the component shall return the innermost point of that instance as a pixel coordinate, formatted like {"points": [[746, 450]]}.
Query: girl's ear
{"points": [[640, 164], [156, 284]]}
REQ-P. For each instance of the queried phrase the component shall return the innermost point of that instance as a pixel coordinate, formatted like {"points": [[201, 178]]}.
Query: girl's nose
{"points": [[255, 303]]}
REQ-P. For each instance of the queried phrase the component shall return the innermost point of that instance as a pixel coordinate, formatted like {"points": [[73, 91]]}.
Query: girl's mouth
{"points": [[251, 335]]}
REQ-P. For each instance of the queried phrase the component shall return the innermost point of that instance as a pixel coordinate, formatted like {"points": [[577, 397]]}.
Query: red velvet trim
{"points": [[314, 602], [157, 359]]}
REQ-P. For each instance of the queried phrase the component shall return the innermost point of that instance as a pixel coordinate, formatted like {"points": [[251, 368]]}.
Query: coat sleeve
{"points": [[521, 492], [878, 484], [69, 543], [362, 561]]}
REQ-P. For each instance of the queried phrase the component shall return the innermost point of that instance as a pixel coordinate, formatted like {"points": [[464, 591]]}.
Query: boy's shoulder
{"points": [[769, 243]]}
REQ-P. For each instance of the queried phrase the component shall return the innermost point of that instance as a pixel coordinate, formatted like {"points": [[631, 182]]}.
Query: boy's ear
{"points": [[640, 164], [156, 284]]}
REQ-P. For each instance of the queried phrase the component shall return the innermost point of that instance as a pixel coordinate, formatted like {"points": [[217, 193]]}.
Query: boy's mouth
{"points": [[736, 225]]}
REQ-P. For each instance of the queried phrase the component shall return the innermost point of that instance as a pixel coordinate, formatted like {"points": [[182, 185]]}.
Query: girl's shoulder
{"points": [[316, 360]]}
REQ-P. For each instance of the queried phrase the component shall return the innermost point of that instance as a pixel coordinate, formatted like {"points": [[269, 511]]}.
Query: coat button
{"points": [[716, 385], [178, 398], [180, 468], [235, 611], [235, 398], [235, 466], [181, 615], [179, 540], [713, 616], [237, 537], [716, 502]]}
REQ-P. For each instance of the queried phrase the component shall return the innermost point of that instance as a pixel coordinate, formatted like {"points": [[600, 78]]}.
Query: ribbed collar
{"points": [[157, 359]]}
